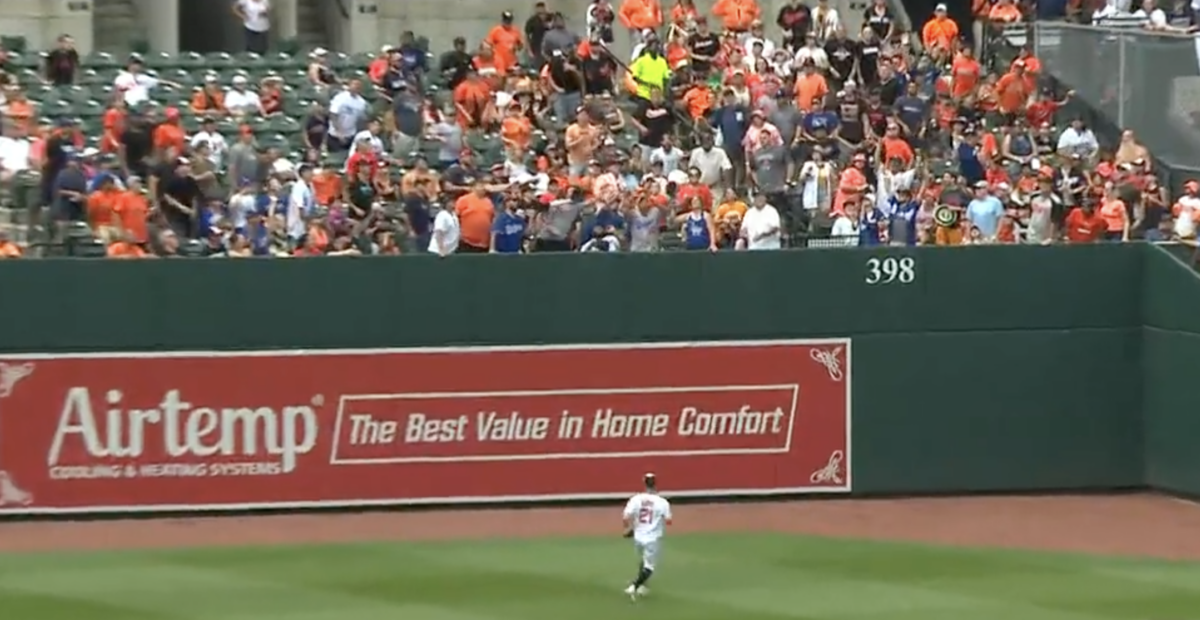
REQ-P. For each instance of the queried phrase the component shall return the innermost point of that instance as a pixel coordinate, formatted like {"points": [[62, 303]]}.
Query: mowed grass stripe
{"points": [[702, 577]]}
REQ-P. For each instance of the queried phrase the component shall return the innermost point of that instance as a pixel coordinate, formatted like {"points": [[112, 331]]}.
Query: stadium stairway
{"points": [[310, 24], [116, 25]]}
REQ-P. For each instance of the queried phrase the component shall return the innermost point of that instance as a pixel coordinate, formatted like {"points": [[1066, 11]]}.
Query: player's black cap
{"points": [[649, 480]]}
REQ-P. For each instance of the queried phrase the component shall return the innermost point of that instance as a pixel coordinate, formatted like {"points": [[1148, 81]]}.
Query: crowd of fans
{"points": [[711, 136]]}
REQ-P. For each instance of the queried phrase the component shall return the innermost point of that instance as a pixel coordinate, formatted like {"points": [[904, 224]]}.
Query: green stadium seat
{"points": [[360, 60], [339, 60], [100, 60], [57, 108], [283, 62], [219, 60], [90, 109], [88, 248], [282, 124], [190, 61], [248, 60], [160, 61]]}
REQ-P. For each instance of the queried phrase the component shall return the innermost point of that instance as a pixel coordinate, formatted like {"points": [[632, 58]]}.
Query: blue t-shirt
{"points": [[604, 218], [820, 120], [510, 231]]}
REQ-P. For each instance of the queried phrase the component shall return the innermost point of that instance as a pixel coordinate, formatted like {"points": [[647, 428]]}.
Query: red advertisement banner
{"points": [[234, 431]]}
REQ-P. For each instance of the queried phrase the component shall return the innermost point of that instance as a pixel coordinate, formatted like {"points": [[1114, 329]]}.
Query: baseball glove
{"points": [[628, 533]]}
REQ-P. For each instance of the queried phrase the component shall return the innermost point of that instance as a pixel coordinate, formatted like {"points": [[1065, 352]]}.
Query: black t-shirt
{"points": [[138, 143], [880, 23], [456, 64], [566, 75], [890, 90], [61, 65], [182, 188], [460, 176], [535, 31], [658, 121], [796, 19], [850, 119], [868, 61], [598, 74], [56, 156], [393, 81], [841, 53], [703, 45]]}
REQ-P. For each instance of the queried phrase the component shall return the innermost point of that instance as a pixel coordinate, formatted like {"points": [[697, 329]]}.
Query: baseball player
{"points": [[646, 517]]}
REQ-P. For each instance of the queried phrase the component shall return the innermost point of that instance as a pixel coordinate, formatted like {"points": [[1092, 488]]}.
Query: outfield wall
{"points": [[379, 381]]}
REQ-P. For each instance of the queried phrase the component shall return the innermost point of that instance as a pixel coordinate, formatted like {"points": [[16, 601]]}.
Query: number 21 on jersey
{"points": [[646, 513]]}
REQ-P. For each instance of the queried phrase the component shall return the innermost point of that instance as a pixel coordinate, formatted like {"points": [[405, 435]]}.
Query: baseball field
{"points": [[1012, 558]]}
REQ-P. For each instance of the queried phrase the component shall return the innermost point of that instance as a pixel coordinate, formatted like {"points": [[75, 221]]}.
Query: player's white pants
{"points": [[648, 549]]}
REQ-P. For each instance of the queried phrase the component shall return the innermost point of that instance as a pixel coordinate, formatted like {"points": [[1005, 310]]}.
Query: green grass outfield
{"points": [[726, 577]]}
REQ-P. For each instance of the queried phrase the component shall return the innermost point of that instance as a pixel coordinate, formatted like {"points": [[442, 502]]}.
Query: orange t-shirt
{"points": [[1012, 92], [208, 102], [965, 72], [101, 207], [121, 249], [132, 209], [327, 186], [680, 13], [516, 130], [809, 87], [475, 219], [504, 41], [736, 15], [699, 101], [897, 147], [8, 249], [474, 96], [377, 69], [1005, 13], [169, 135], [940, 33], [1114, 214], [114, 124], [640, 14]]}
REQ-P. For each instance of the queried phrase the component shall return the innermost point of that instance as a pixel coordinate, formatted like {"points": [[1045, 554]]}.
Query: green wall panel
{"points": [[990, 368]]}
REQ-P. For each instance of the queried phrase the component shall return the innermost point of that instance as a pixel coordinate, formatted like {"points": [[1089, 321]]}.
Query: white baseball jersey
{"points": [[650, 515]]}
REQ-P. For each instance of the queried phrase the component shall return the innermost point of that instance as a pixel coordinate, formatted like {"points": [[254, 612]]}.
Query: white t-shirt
{"points": [[376, 143], [445, 227], [242, 101], [216, 145], [756, 223], [650, 514], [258, 14], [14, 154], [345, 112], [712, 165], [136, 86]]}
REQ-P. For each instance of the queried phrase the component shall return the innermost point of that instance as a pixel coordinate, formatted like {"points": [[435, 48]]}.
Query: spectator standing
{"points": [[795, 20], [134, 82], [640, 15], [535, 32], [62, 62], [454, 64], [761, 229], [256, 23], [880, 19], [301, 204], [558, 38], [347, 112], [475, 213], [984, 212]]}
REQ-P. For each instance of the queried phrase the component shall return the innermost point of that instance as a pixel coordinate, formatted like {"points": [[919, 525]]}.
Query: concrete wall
{"points": [[42, 21]]}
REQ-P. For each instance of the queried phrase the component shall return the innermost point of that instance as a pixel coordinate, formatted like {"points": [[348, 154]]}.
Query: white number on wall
{"points": [[891, 270]]}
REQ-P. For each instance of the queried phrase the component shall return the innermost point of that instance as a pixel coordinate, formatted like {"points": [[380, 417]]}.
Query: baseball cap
{"points": [[506, 16], [940, 7], [650, 480]]}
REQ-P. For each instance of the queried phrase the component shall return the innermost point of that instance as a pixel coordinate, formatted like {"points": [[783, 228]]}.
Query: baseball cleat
{"points": [[632, 592], [642, 591]]}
